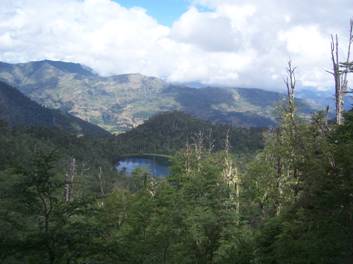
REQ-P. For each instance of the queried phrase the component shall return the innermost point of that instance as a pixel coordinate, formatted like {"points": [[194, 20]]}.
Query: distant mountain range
{"points": [[323, 98], [119, 103], [19, 111]]}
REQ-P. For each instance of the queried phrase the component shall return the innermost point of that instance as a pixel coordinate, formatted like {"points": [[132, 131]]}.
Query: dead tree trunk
{"points": [[231, 176], [188, 158], [67, 187], [340, 72], [337, 77], [294, 139], [69, 179], [290, 82], [100, 181]]}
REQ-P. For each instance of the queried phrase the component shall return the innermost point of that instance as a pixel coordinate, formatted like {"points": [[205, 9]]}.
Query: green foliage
{"points": [[316, 226], [291, 203], [169, 132], [37, 225]]}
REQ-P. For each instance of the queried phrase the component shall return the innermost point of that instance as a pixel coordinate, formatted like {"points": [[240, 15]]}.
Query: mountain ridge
{"points": [[120, 102], [19, 111], [168, 132]]}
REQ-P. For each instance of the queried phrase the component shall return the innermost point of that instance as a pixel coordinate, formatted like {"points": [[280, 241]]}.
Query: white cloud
{"points": [[207, 30], [234, 42]]}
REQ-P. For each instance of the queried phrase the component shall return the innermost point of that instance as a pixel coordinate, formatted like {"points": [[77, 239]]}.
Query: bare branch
{"points": [[290, 82], [340, 72]]}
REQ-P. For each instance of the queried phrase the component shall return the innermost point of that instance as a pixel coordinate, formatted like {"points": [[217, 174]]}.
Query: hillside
{"points": [[168, 132], [324, 98], [119, 103], [19, 111]]}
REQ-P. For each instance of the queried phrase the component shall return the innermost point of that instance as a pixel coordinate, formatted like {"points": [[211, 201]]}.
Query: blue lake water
{"points": [[157, 166]]}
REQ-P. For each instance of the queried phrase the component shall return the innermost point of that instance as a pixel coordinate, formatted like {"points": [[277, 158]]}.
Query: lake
{"points": [[158, 166]]}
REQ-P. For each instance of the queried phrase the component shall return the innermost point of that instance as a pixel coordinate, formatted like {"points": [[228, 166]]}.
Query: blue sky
{"points": [[164, 11]]}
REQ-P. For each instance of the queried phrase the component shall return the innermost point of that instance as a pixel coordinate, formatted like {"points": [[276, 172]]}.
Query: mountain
{"points": [[19, 111], [119, 103], [324, 98], [168, 132]]}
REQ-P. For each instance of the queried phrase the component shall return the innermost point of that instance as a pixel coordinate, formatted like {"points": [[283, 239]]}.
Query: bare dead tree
{"points": [[199, 142], [187, 157], [231, 176], [340, 72], [290, 82], [210, 141], [67, 187], [100, 181], [68, 181], [336, 75]]}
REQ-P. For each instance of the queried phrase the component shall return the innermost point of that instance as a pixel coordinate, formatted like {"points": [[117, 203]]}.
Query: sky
{"points": [[164, 11], [243, 43]]}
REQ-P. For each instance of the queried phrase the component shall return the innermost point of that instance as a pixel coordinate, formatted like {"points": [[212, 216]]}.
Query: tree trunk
{"points": [[340, 73], [68, 182]]}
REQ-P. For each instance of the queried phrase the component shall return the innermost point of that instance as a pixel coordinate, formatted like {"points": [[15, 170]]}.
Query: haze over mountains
{"points": [[119, 103]]}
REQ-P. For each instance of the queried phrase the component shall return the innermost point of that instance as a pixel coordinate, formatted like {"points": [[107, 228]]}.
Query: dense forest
{"points": [[62, 201], [234, 195], [178, 146], [168, 132]]}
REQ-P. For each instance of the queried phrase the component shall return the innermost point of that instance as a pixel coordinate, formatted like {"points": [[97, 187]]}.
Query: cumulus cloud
{"points": [[233, 42], [207, 30]]}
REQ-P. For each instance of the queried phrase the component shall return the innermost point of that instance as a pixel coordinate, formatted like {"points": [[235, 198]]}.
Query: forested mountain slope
{"points": [[292, 203], [119, 103], [18, 110], [169, 132]]}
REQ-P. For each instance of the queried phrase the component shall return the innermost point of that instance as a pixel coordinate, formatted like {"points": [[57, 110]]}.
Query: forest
{"points": [[235, 195], [62, 201]]}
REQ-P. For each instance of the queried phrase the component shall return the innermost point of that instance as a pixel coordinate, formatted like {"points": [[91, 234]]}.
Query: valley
{"points": [[189, 167], [122, 102], [176, 132]]}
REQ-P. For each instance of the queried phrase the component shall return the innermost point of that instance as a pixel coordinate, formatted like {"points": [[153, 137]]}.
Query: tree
{"points": [[340, 70], [45, 227]]}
